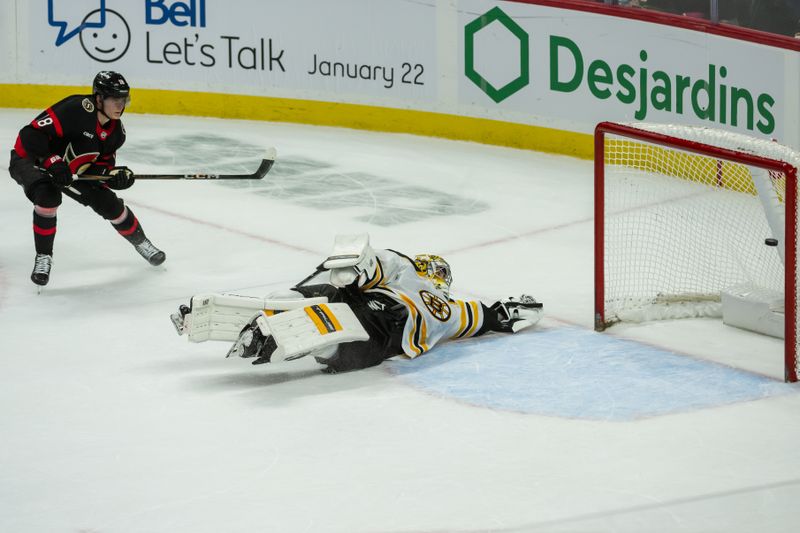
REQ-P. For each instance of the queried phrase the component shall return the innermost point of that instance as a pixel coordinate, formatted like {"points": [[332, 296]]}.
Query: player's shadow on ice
{"points": [[123, 280], [279, 386], [248, 380]]}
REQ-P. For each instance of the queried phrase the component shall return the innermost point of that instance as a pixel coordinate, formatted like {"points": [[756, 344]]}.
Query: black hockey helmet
{"points": [[110, 83]]}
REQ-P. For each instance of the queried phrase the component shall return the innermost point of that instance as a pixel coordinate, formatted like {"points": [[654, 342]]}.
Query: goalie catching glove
{"points": [[515, 314]]}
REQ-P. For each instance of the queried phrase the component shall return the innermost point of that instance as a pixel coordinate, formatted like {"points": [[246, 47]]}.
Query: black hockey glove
{"points": [[120, 178], [59, 171]]}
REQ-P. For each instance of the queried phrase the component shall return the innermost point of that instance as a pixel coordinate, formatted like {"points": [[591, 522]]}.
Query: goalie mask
{"points": [[435, 269]]}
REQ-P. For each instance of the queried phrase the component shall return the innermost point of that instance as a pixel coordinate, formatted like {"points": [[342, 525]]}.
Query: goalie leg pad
{"points": [[222, 316], [311, 329]]}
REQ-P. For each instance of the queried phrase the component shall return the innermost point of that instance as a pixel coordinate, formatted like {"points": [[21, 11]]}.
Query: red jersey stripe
{"points": [[56, 122], [19, 148], [105, 133]]}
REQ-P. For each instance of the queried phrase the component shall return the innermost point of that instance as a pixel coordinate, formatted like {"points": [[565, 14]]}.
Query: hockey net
{"points": [[682, 214]]}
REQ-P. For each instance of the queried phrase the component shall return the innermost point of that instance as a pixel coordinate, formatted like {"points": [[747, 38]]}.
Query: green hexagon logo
{"points": [[495, 93]]}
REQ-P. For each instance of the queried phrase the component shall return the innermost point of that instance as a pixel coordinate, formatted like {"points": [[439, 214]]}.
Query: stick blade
{"points": [[266, 164]]}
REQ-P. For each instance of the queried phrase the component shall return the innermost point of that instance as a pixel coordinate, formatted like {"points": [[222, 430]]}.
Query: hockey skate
{"points": [[253, 343], [179, 319], [153, 255], [516, 314], [41, 269]]}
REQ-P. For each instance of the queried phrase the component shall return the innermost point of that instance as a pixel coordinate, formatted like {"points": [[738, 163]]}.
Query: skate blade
{"points": [[236, 350], [239, 347], [296, 357], [177, 321]]}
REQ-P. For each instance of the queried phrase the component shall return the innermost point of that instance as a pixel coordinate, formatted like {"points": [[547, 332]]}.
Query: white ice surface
{"points": [[109, 422]]}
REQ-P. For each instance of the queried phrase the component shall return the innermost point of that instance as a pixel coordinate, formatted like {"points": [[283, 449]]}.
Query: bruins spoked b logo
{"points": [[438, 307]]}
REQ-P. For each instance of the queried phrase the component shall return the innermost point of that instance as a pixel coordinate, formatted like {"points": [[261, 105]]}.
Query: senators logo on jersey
{"points": [[437, 307]]}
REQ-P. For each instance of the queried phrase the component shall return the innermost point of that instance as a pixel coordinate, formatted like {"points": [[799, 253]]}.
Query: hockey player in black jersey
{"points": [[78, 135]]}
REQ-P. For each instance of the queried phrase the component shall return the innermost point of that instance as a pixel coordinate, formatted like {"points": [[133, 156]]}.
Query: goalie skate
{"points": [[253, 342], [179, 319]]}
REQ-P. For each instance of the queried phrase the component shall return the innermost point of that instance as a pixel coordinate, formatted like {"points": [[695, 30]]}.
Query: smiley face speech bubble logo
{"points": [[60, 16], [108, 43]]}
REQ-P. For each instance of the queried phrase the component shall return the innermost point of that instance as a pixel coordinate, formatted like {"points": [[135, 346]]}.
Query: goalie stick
{"points": [[261, 171]]}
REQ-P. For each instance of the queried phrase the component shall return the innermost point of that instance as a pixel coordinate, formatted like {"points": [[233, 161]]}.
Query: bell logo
{"points": [[191, 13], [510, 34]]}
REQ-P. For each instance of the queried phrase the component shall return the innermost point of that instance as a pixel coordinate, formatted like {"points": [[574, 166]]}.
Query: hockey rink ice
{"points": [[112, 423]]}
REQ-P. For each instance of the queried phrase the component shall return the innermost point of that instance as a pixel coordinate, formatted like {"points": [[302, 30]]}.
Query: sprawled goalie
{"points": [[361, 306]]}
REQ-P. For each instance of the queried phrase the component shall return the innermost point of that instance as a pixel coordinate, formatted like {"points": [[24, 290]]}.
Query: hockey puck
{"points": [[771, 242]]}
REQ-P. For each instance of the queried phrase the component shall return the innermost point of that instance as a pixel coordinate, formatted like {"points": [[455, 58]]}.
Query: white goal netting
{"points": [[681, 226]]}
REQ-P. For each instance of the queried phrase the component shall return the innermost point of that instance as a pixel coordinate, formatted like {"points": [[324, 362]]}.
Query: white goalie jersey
{"points": [[432, 315]]}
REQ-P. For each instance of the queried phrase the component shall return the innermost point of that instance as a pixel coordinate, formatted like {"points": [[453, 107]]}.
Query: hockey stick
{"points": [[263, 168], [319, 269]]}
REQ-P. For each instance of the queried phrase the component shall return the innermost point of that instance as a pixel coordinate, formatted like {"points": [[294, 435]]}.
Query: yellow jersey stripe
{"points": [[475, 318], [417, 347], [377, 278], [470, 318], [464, 322], [423, 337]]}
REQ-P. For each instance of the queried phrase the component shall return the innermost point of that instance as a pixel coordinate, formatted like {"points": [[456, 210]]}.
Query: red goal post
{"points": [[691, 181]]}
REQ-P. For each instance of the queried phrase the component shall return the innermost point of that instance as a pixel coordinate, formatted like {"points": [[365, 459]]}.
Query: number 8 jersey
{"points": [[70, 129]]}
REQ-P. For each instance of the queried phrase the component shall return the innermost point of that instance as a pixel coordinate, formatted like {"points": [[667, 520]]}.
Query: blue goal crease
{"points": [[571, 372]]}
